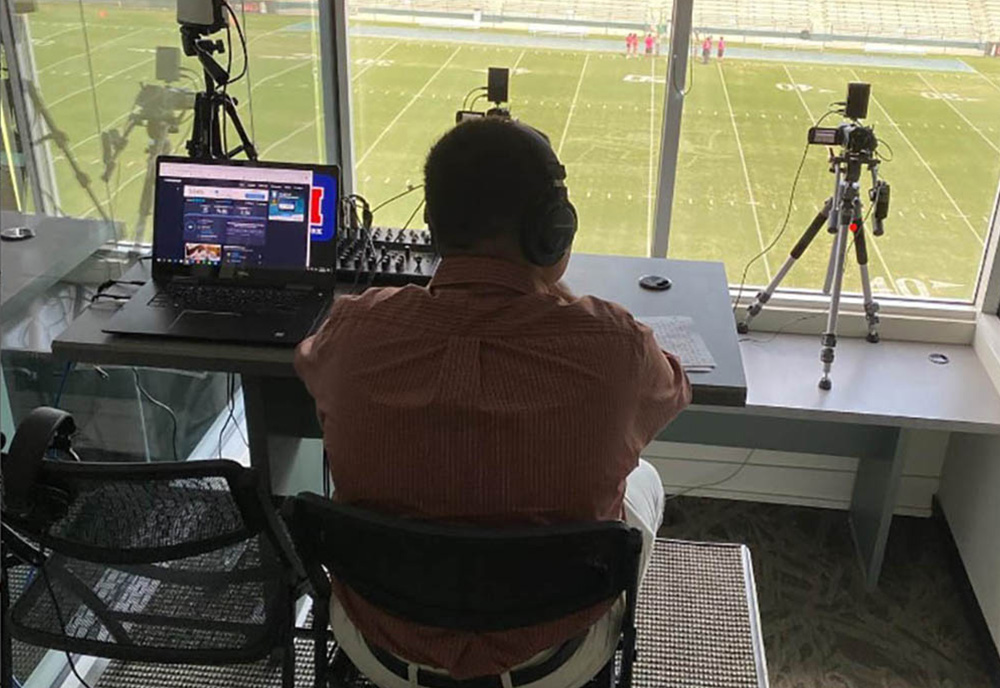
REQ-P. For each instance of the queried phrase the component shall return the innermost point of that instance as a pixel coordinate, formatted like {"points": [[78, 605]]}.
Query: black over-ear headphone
{"points": [[548, 229], [42, 429]]}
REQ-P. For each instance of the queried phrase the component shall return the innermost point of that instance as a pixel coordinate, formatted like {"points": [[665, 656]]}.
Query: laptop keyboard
{"points": [[230, 299]]}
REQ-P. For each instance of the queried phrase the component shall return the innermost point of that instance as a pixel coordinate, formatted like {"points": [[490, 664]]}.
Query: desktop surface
{"points": [[700, 291]]}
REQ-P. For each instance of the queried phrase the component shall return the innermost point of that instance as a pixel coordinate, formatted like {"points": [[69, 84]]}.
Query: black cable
{"points": [[729, 477], [465, 100], [62, 624], [891, 153], [246, 57], [784, 326], [156, 402], [243, 40], [110, 297], [410, 189], [475, 100], [673, 78], [784, 224], [225, 91], [413, 214]]}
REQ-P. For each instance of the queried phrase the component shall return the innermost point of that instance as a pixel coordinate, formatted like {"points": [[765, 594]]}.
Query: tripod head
{"points": [[159, 109]]}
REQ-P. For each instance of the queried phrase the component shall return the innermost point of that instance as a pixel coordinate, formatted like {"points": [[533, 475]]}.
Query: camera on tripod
{"points": [[844, 217], [496, 91]]}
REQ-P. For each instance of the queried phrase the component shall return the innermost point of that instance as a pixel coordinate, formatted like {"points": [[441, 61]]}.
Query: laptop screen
{"points": [[245, 220]]}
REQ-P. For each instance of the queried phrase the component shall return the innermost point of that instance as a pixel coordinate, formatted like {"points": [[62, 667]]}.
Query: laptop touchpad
{"points": [[199, 322]]}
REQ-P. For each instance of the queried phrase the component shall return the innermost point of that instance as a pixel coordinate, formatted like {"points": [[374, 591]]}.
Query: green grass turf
{"points": [[742, 137]]}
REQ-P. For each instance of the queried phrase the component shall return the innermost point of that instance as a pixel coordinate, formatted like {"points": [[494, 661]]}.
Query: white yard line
{"points": [[402, 112], [652, 137], [746, 172], [959, 113], [93, 49], [109, 77], [572, 105], [374, 61], [870, 242], [117, 191], [988, 80], [795, 88], [930, 171], [299, 130], [52, 35], [513, 70]]}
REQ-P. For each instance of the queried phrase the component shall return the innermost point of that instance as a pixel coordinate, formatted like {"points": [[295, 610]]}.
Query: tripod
{"points": [[843, 216], [59, 137], [209, 105], [157, 108]]}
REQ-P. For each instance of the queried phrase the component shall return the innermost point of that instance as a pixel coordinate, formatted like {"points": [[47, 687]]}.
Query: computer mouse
{"points": [[17, 233], [655, 282]]}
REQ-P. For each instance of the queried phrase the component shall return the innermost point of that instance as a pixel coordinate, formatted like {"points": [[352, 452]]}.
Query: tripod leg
{"points": [[159, 146], [829, 340], [800, 247], [871, 307], [246, 145]]}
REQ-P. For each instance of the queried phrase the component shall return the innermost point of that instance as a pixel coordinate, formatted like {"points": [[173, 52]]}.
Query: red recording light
{"points": [[853, 227]]}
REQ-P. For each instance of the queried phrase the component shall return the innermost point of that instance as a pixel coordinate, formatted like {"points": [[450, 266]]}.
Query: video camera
{"points": [[856, 139], [496, 91]]}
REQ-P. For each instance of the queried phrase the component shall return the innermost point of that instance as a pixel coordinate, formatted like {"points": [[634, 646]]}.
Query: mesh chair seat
{"points": [[181, 562], [218, 607]]}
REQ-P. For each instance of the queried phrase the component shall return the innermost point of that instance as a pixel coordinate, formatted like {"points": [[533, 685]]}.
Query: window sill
{"points": [[902, 320]]}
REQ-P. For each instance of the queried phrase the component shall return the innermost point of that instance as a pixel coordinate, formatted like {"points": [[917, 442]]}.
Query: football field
{"points": [[745, 122]]}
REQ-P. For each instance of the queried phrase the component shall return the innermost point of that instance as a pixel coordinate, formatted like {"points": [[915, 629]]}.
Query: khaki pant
{"points": [[644, 503]]}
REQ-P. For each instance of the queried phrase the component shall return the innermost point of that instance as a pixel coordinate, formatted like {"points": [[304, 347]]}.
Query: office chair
{"points": [[182, 562], [463, 578]]}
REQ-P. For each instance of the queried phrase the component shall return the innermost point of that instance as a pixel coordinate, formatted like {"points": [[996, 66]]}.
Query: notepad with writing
{"points": [[676, 334]]}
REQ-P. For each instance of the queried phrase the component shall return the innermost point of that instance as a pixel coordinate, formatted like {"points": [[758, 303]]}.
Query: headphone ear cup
{"points": [[548, 235]]}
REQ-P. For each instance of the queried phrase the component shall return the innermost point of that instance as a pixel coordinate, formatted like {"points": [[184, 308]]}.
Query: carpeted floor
{"points": [[821, 629]]}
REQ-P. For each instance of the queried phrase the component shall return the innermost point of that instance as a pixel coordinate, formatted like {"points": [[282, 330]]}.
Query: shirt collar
{"points": [[454, 270]]}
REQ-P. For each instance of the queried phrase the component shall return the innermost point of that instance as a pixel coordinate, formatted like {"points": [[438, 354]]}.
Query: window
{"points": [[412, 63], [107, 102], [934, 105]]}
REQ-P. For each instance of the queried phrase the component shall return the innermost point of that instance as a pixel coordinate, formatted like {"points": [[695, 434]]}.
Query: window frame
{"points": [[901, 318]]}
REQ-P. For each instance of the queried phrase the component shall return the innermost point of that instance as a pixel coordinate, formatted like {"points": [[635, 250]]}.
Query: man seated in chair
{"points": [[492, 397]]}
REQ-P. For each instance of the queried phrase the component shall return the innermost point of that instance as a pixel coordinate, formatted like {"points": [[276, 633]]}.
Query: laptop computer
{"points": [[242, 251]]}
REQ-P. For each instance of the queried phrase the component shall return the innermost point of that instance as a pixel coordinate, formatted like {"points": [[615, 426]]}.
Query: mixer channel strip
{"points": [[392, 256]]}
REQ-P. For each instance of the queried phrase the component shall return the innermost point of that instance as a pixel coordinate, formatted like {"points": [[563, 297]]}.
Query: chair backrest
{"points": [[461, 577]]}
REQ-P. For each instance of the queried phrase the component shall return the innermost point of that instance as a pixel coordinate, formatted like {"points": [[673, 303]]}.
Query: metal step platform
{"points": [[697, 621]]}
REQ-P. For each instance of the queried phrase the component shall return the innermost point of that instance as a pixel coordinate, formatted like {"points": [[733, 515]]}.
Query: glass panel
{"points": [[744, 132], [100, 79], [570, 77]]}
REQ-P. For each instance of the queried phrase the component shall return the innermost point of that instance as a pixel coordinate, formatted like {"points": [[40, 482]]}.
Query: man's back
{"points": [[488, 399]]}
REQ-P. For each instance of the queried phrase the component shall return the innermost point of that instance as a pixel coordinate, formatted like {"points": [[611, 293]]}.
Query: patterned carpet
{"points": [[821, 629]]}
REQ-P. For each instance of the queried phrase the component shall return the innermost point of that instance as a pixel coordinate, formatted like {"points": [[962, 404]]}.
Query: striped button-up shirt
{"points": [[486, 398]]}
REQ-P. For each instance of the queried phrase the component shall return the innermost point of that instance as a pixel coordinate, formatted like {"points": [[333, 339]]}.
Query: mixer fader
{"points": [[392, 256]]}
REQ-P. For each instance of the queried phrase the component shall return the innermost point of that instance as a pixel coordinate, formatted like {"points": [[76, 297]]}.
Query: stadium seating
{"points": [[966, 20]]}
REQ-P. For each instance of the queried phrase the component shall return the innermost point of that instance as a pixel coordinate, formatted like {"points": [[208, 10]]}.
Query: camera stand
{"points": [[59, 137], [842, 214], [212, 104], [156, 108]]}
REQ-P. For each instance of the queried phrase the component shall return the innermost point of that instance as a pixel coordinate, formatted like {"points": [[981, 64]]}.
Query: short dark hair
{"points": [[480, 180]]}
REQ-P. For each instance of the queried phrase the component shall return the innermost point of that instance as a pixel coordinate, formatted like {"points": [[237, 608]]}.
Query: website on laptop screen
{"points": [[245, 217]]}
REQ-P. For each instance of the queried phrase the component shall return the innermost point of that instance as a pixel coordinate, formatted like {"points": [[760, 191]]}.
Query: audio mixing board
{"points": [[392, 256]]}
